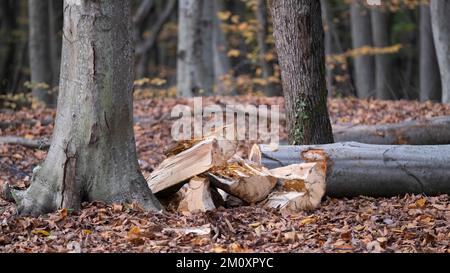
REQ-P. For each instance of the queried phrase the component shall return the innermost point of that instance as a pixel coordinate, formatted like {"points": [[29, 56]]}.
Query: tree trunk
{"points": [[428, 132], [440, 20], [355, 169], [383, 62], [328, 41], [7, 43], [299, 38], [430, 80], [261, 38], [92, 154], [56, 25], [364, 66], [192, 78], [220, 48], [40, 53]]}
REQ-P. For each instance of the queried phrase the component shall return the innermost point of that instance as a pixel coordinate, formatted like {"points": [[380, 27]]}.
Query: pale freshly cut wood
{"points": [[355, 169], [308, 178], [197, 196], [288, 201], [191, 162], [255, 155], [249, 183]]}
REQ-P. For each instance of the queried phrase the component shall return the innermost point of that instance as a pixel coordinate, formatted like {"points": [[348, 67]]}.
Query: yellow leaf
{"points": [[223, 15], [233, 53], [41, 232], [308, 220], [87, 232], [421, 202], [218, 249]]}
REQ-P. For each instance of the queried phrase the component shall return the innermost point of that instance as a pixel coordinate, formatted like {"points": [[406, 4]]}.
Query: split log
{"points": [[191, 162], [301, 187], [355, 169], [30, 143], [198, 196], [239, 178], [428, 132]]}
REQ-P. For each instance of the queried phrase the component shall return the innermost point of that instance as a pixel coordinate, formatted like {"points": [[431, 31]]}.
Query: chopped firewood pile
{"points": [[201, 175]]}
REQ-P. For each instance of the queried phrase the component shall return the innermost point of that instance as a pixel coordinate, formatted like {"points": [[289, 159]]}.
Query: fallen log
{"points": [[30, 143], [188, 163], [239, 178], [433, 131], [355, 169], [300, 187]]}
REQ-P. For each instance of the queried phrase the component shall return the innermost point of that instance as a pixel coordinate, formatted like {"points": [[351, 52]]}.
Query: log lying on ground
{"points": [[198, 196], [191, 162], [301, 187], [30, 143], [239, 178], [433, 131], [355, 169]]}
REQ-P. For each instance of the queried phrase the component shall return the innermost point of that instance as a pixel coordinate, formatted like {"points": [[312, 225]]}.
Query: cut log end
{"points": [[197, 197]]}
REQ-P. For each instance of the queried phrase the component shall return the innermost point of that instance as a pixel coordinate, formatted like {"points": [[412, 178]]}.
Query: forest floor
{"points": [[410, 223]]}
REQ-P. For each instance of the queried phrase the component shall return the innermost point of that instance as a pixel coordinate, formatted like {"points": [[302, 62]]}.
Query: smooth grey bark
{"points": [[364, 66], [427, 132], [298, 32], [7, 43], [222, 64], [440, 20], [207, 58], [39, 48], [92, 154], [355, 169], [328, 42], [383, 62], [430, 79], [192, 78], [263, 48]]}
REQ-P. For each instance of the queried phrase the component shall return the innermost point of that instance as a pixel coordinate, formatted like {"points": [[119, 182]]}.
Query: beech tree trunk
{"points": [[383, 62], [355, 169], [40, 53], [92, 154], [299, 41], [440, 19], [56, 25], [364, 66], [222, 64], [193, 71], [261, 38], [430, 79]]}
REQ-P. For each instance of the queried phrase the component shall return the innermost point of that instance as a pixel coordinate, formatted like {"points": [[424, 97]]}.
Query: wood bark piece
{"points": [[250, 183], [189, 163], [429, 132], [198, 196], [355, 169], [307, 178]]}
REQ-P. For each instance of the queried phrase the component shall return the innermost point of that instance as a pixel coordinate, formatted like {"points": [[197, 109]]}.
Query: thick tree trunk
{"points": [[373, 170], [364, 66], [381, 38], [92, 154], [299, 38], [261, 38], [440, 19], [192, 68], [428, 132], [430, 79], [40, 53]]}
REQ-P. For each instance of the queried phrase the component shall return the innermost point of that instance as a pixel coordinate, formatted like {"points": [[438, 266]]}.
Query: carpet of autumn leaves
{"points": [[410, 223]]}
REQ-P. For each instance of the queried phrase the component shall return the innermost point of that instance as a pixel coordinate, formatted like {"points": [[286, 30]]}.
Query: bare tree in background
{"points": [[430, 79], [364, 66], [440, 19]]}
